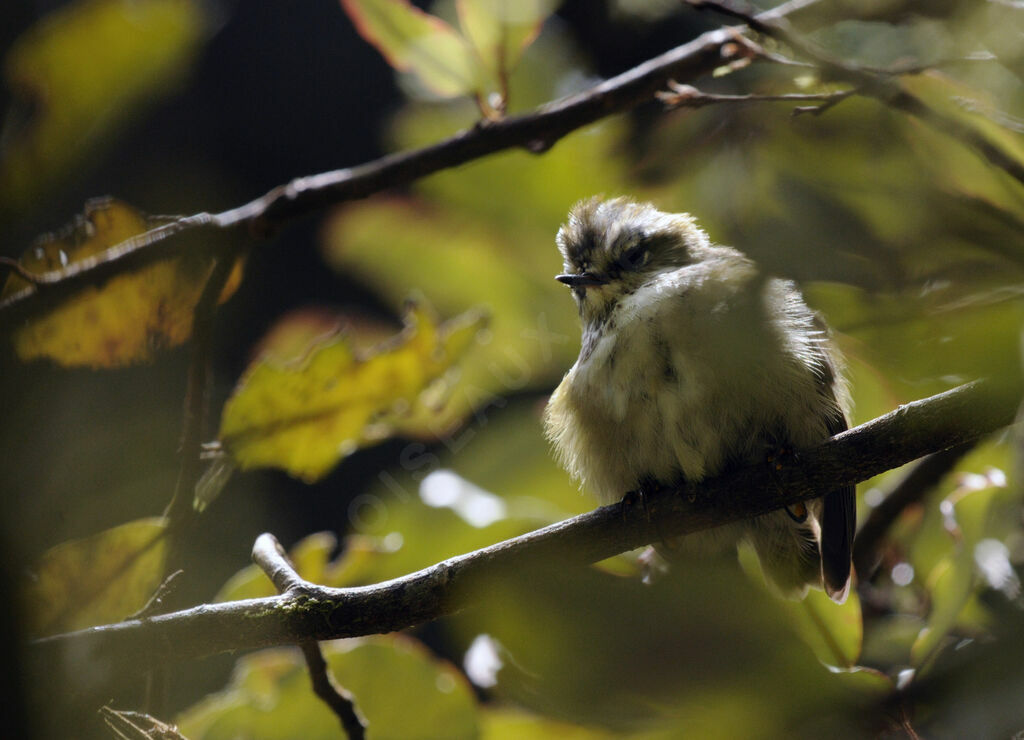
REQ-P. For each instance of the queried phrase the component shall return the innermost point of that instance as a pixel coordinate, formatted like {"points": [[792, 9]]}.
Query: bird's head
{"points": [[612, 248]]}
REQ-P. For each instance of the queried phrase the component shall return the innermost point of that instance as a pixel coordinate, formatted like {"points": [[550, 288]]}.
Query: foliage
{"points": [[906, 240], [125, 321]]}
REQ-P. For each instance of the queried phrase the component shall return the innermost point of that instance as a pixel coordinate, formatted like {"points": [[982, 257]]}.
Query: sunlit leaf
{"points": [[397, 686], [500, 29], [417, 42], [305, 415], [78, 74], [127, 319], [833, 631], [98, 579]]}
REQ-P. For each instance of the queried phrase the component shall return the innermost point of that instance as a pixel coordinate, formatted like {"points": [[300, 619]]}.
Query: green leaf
{"points": [[417, 42], [401, 690], [501, 29], [833, 631], [967, 517], [98, 579], [127, 319], [505, 723], [305, 415], [78, 75], [688, 652]]}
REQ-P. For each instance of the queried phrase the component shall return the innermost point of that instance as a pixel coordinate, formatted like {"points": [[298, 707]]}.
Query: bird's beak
{"points": [[581, 280]]}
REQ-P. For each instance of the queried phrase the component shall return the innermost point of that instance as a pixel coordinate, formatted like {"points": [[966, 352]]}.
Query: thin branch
{"points": [[156, 601], [138, 726], [687, 96], [180, 510], [272, 560], [911, 431], [268, 554], [16, 267], [912, 489], [880, 85], [536, 131], [334, 696]]}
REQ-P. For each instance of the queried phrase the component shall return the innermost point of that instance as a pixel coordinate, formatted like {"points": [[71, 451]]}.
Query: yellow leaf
{"points": [[305, 415], [124, 321], [98, 579]]}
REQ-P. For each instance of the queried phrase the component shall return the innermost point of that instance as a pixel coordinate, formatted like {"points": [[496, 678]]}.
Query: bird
{"points": [[694, 361]]}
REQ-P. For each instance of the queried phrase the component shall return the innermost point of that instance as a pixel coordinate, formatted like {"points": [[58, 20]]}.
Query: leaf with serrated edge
{"points": [[304, 416]]}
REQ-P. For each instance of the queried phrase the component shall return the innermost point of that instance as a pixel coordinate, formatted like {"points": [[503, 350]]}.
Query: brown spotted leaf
{"points": [[127, 319]]}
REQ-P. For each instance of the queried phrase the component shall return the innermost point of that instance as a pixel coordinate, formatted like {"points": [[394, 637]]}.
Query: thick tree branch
{"points": [[916, 429], [536, 131]]}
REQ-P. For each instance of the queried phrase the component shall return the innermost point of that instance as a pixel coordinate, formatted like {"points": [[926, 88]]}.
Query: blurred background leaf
{"points": [[96, 580], [418, 42], [79, 75], [270, 696]]}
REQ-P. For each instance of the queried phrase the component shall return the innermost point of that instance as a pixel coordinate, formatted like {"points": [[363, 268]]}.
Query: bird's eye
{"points": [[633, 258]]}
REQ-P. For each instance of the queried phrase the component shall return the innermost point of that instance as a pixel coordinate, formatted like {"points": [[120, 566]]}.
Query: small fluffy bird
{"points": [[694, 361]]}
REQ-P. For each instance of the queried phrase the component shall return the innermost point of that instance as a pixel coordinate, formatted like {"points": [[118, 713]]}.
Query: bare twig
{"points": [[179, 510], [536, 131], [334, 696], [268, 554], [880, 85], [272, 560], [15, 266], [318, 613], [687, 96], [138, 726], [155, 602]]}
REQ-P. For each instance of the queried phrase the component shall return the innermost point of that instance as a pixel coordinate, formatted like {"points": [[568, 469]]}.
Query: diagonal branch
{"points": [[966, 413], [536, 131], [882, 85]]}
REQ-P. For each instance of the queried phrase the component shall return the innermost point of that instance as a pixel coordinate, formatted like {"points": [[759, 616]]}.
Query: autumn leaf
{"points": [[417, 42], [98, 579], [128, 319], [303, 416]]}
